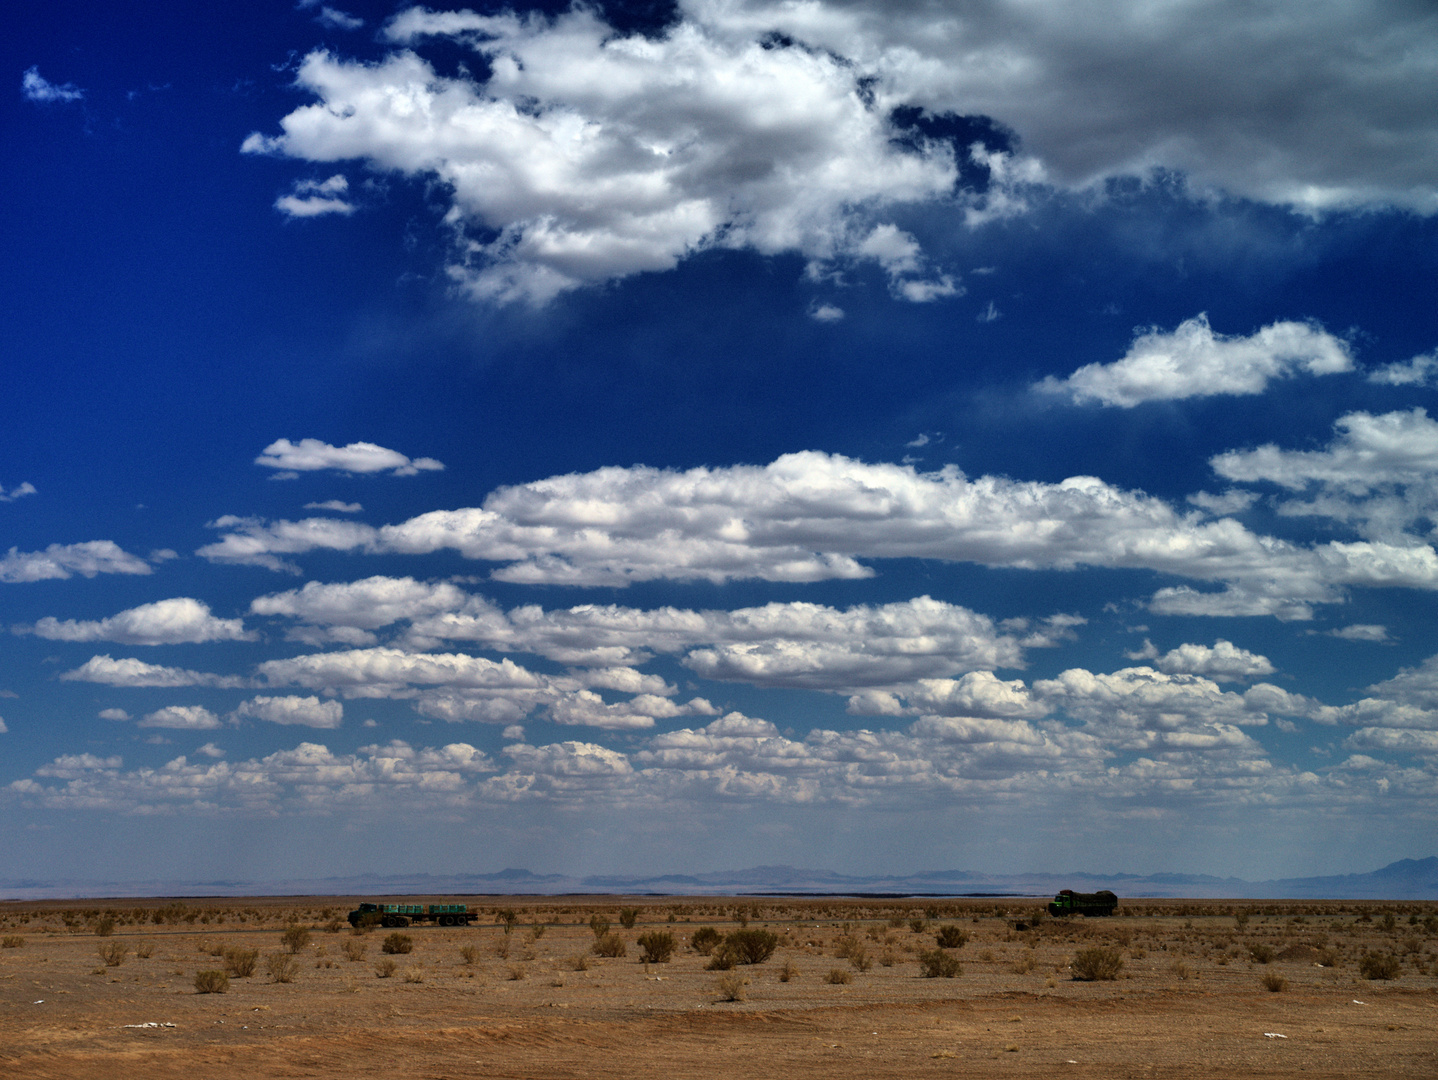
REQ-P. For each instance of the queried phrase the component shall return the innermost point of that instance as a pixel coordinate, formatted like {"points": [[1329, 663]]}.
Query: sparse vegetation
{"points": [[397, 944], [657, 946], [354, 949], [599, 925], [611, 945], [937, 964], [295, 938], [704, 940], [282, 967], [468, 953], [211, 982], [241, 962], [628, 917], [413, 975], [384, 967], [1273, 982], [1096, 964], [516, 972], [839, 977], [105, 926], [12, 941], [1376, 966], [731, 987], [751, 946], [113, 953], [144, 949], [1261, 954], [788, 971], [952, 937]]}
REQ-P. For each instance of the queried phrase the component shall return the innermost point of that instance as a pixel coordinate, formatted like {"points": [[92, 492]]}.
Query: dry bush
{"points": [[282, 967], [1096, 964], [657, 946], [704, 940], [722, 959], [501, 948], [1179, 970], [918, 926], [860, 960], [468, 953], [788, 971], [951, 937], [397, 944], [752, 946], [12, 941], [839, 976], [516, 972], [295, 938], [334, 926], [1326, 958], [628, 917], [611, 945], [211, 982], [1024, 964], [354, 949], [580, 962], [888, 958], [1262, 954], [241, 962], [144, 949], [599, 924], [1274, 983], [1379, 966], [937, 964], [731, 987], [113, 953], [384, 968], [413, 975]]}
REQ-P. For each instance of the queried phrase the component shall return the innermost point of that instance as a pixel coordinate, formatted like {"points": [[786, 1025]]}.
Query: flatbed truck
{"points": [[404, 914]]}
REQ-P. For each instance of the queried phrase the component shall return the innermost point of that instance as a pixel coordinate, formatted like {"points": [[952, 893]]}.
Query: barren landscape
{"points": [[852, 987]]}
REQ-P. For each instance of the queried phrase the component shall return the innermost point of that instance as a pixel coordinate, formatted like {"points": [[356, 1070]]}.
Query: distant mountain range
{"points": [[1407, 879]]}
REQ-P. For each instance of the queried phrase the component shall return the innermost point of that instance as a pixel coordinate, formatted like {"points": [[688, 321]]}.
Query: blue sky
{"points": [[665, 438]]}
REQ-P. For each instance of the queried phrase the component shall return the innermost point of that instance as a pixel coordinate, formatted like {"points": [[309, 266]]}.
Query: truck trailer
{"points": [[1068, 902], [404, 914]]}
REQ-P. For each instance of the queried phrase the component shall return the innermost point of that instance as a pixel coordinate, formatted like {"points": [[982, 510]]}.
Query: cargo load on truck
{"points": [[1068, 902], [379, 914]]}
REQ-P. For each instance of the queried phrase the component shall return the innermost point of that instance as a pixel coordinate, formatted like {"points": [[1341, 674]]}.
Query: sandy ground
{"points": [[1189, 1000]]}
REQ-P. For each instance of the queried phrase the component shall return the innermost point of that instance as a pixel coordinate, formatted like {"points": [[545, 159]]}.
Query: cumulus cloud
{"points": [[60, 561], [25, 488], [304, 711], [130, 672], [181, 718], [587, 155], [311, 455], [35, 87], [337, 506], [1419, 371], [314, 198], [1223, 661], [1193, 361], [114, 714], [334, 19], [165, 622], [1362, 632], [812, 516], [1380, 474], [363, 605]]}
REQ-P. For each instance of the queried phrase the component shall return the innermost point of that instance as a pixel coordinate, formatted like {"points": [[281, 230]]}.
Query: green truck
{"points": [[1068, 902], [404, 914]]}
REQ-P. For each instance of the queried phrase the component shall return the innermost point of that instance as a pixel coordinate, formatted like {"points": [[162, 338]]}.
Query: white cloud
{"points": [[26, 488], [304, 711], [366, 605], [165, 622], [811, 516], [3, 728], [1232, 501], [64, 560], [314, 198], [210, 750], [588, 156], [334, 19], [1193, 361], [310, 455], [826, 313], [338, 506], [129, 672], [1223, 661], [181, 718], [1362, 632], [1419, 371], [35, 87], [114, 714]]}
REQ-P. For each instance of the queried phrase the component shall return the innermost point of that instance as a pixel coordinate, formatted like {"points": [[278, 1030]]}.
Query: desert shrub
{"points": [[1096, 964], [839, 976], [599, 925], [1180, 970], [507, 916], [731, 987], [468, 953], [788, 971], [628, 917], [918, 926], [1379, 966], [657, 946], [516, 972], [751, 946], [12, 941], [413, 975], [537, 931], [282, 967], [211, 982], [1240, 919], [704, 939], [295, 938], [1024, 964], [1274, 983], [354, 949], [241, 962], [859, 958], [722, 959], [384, 968], [580, 962], [937, 964], [397, 943], [144, 949], [1262, 954], [1326, 958], [610, 945], [105, 926], [113, 953], [1388, 922], [951, 937]]}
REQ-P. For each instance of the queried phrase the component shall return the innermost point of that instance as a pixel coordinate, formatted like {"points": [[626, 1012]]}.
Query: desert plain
{"points": [[1201, 989]]}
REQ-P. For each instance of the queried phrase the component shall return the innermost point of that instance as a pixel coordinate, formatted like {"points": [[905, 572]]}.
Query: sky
{"points": [[660, 438]]}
